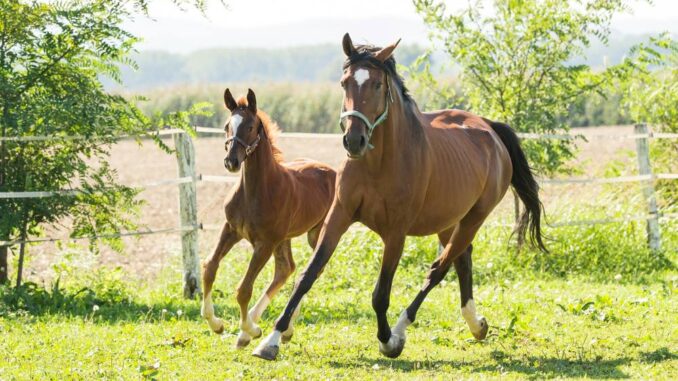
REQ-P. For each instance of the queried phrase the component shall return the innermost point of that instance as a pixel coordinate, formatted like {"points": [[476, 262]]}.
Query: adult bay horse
{"points": [[271, 203], [414, 173]]}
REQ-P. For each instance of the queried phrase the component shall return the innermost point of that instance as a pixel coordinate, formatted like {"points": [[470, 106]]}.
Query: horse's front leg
{"points": [[391, 344], [337, 222], [227, 239]]}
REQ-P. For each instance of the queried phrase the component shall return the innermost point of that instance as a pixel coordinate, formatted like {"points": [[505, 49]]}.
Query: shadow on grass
{"points": [[117, 305], [534, 367]]}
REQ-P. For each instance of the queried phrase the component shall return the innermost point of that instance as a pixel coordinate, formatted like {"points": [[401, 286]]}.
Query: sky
{"points": [[281, 23]]}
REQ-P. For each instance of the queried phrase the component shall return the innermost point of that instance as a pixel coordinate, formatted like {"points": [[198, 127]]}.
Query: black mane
{"points": [[365, 54]]}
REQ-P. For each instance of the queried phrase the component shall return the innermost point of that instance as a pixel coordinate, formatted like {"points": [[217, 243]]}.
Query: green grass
{"points": [[599, 306]]}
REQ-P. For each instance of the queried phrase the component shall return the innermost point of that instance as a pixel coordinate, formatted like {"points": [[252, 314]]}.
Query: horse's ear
{"points": [[386, 52], [347, 44], [229, 101], [251, 101]]}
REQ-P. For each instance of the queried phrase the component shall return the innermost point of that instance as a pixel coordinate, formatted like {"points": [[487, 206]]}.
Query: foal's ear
{"points": [[386, 52], [230, 103], [251, 101], [347, 44]]}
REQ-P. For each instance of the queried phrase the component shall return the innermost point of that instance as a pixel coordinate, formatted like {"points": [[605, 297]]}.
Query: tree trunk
{"points": [[4, 251]]}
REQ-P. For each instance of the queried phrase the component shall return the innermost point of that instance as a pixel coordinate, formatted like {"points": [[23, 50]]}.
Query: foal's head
{"points": [[243, 129], [367, 93]]}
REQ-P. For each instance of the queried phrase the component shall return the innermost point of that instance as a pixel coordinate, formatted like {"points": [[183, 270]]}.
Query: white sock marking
{"points": [[258, 309], [360, 76], [207, 311], [472, 319], [272, 340], [401, 325]]}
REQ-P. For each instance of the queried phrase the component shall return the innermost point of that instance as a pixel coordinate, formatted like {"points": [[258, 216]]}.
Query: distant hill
{"points": [[296, 64], [313, 63]]}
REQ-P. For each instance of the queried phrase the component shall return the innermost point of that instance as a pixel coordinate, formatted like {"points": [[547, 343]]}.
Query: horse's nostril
{"points": [[345, 140], [362, 141]]}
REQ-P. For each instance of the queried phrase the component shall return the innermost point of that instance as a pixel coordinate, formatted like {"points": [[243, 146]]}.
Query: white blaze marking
{"points": [[469, 314], [235, 123], [360, 76]]}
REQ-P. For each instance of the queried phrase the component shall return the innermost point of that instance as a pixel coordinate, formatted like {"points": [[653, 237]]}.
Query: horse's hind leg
{"points": [[284, 267], [227, 239], [249, 329], [464, 266]]}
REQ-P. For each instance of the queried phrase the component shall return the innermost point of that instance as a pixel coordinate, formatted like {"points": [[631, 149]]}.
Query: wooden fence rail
{"points": [[187, 179]]}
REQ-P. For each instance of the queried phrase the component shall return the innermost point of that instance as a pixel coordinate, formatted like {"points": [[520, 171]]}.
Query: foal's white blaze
{"points": [[235, 123], [360, 76], [207, 311], [471, 317]]}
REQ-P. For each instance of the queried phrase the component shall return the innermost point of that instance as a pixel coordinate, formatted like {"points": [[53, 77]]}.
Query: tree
{"points": [[52, 55], [650, 96], [515, 58]]}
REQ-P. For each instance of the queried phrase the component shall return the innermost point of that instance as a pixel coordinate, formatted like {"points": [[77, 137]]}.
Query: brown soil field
{"points": [[147, 255]]}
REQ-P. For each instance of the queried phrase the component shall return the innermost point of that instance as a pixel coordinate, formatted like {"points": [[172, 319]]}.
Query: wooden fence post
{"points": [[188, 214], [644, 168]]}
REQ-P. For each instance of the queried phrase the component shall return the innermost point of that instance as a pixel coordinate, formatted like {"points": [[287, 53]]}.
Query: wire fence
{"points": [[188, 224]]}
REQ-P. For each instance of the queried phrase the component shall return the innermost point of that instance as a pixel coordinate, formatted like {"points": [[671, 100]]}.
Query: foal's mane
{"points": [[364, 54], [270, 129]]}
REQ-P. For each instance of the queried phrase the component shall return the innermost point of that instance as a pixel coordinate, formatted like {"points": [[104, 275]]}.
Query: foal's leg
{"points": [[227, 239], [391, 345], [338, 222], [248, 329], [284, 267]]}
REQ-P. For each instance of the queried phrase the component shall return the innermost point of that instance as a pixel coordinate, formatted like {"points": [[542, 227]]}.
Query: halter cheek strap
{"points": [[249, 148], [370, 126]]}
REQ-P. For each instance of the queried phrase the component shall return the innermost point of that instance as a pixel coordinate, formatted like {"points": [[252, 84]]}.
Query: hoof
{"points": [[243, 340], [286, 338], [217, 326], [480, 335], [393, 348], [267, 352]]}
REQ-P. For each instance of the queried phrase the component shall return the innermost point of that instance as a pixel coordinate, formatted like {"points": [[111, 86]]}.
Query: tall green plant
{"points": [[514, 57], [651, 96], [52, 55]]}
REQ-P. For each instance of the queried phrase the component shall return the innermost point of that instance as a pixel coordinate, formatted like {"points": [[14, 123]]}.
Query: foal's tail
{"points": [[525, 186]]}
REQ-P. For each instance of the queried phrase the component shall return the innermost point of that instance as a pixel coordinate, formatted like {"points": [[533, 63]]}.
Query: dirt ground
{"points": [[147, 255]]}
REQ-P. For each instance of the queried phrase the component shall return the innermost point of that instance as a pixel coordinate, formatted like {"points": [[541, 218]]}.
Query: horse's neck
{"points": [[260, 169], [393, 142]]}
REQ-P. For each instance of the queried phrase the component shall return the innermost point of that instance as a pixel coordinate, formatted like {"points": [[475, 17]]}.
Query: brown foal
{"points": [[271, 203], [413, 173]]}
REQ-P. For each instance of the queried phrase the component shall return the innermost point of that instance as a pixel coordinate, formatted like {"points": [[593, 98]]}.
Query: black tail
{"points": [[525, 186]]}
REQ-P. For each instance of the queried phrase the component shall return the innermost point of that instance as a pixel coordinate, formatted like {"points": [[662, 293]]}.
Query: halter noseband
{"points": [[249, 148], [370, 126]]}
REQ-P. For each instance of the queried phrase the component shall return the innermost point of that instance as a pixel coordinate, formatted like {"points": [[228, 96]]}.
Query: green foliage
{"points": [[515, 62], [51, 58], [651, 96]]}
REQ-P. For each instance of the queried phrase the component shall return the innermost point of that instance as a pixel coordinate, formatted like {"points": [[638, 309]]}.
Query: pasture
{"points": [[600, 305]]}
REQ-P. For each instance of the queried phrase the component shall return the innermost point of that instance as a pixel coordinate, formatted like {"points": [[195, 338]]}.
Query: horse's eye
{"points": [[377, 85]]}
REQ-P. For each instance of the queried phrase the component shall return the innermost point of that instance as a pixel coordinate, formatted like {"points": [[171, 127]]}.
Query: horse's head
{"points": [[242, 129], [367, 94]]}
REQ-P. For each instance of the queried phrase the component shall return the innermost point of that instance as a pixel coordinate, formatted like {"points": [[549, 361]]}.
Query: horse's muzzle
{"points": [[355, 145], [232, 164]]}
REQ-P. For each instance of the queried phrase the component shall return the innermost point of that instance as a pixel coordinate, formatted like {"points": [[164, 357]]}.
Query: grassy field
{"points": [[599, 306]]}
